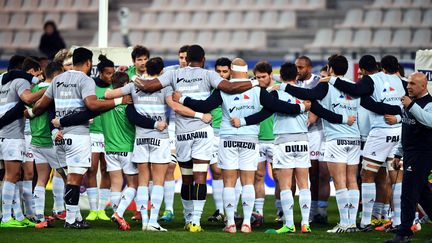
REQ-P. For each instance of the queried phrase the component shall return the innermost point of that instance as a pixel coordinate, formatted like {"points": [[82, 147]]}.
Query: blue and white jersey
{"points": [[363, 122], [388, 89], [345, 105], [289, 124], [240, 106], [309, 84]]}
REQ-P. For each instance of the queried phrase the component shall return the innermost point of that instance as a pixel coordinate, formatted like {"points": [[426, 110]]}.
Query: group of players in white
{"points": [[313, 128]]}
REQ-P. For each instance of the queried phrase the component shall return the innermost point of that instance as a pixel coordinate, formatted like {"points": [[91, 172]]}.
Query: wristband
{"points": [[30, 112], [118, 101], [243, 122], [54, 133], [254, 83], [181, 100], [302, 107], [198, 115], [155, 125], [344, 119]]}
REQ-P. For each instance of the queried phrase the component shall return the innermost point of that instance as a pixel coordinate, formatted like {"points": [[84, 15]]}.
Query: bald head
{"points": [[239, 68], [417, 85]]}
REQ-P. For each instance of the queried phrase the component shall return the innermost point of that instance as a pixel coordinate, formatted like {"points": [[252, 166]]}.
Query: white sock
{"points": [[305, 202], [71, 211], [386, 212], [377, 210], [229, 199], [142, 203], [198, 208], [126, 198], [169, 189], [368, 192], [58, 188], [8, 192], [287, 203], [92, 194], [150, 187], [27, 194], [115, 200], [217, 195], [353, 199], [78, 215], [259, 205], [187, 210], [397, 191], [238, 192], [16, 203], [248, 200], [278, 205], [39, 201], [314, 208], [343, 206], [103, 198], [156, 201]]}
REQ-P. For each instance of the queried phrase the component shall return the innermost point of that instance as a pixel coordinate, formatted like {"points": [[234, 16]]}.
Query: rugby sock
{"points": [[287, 203], [78, 215], [353, 199], [169, 189], [142, 203], [343, 205], [377, 210], [156, 201], [92, 194], [8, 192], [126, 198], [16, 204], [27, 192], [217, 195], [115, 200], [314, 208], [39, 201], [322, 208], [386, 211], [259, 205], [58, 187], [229, 199], [71, 197], [186, 195], [248, 198], [103, 198], [199, 199], [238, 192], [397, 191], [71, 211], [305, 202], [368, 192]]}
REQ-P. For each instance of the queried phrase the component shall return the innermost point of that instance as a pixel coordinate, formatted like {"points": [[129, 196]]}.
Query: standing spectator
{"points": [[51, 41]]}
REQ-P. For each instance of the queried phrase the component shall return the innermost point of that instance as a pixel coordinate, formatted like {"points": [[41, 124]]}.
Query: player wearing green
{"points": [[105, 68], [140, 56], [45, 155]]}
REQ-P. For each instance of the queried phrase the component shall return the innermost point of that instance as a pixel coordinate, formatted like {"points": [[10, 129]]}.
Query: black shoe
{"points": [[216, 217], [77, 225], [256, 220], [84, 224], [391, 229], [366, 228], [319, 219], [238, 219], [399, 239]]}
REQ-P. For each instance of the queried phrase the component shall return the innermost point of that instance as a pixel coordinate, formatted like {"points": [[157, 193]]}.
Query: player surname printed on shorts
{"points": [[297, 148], [192, 136], [237, 144], [347, 142], [150, 141]]}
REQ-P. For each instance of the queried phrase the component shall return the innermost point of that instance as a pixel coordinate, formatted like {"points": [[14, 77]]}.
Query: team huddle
{"points": [[138, 122]]}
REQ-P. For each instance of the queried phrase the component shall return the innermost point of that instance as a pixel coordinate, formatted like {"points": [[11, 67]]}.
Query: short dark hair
{"points": [[53, 68], [339, 64], [30, 63], [195, 53], [390, 64], [368, 63], [223, 61], [119, 79], [323, 69], [15, 62], [139, 51], [183, 49], [104, 62], [307, 59], [154, 66], [263, 67], [81, 55], [288, 71]]}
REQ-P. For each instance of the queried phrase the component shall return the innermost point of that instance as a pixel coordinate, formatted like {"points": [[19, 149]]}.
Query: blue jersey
{"points": [[289, 124]]}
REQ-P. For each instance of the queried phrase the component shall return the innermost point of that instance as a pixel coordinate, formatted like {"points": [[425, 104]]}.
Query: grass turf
{"points": [[105, 231]]}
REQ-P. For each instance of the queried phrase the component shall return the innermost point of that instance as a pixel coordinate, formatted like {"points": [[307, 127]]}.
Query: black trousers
{"points": [[415, 189]]}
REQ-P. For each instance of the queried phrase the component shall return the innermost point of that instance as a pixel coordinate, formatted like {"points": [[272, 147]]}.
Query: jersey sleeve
{"points": [[88, 87], [167, 91], [21, 85], [50, 90], [166, 78], [128, 88], [215, 79]]}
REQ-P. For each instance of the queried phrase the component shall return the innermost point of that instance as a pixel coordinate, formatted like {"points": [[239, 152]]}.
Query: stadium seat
{"points": [[228, 4], [164, 19], [204, 38], [381, 38], [134, 18], [392, 18], [193, 4], [187, 37], [6, 38], [160, 4], [268, 18], [94, 41], [34, 21], [28, 5], [240, 40], [299, 4], [81, 5], [221, 38], [317, 4], [421, 38], [136, 38], [4, 18], [381, 3], [35, 40], [215, 19], [17, 20], [362, 38], [421, 3], [46, 5], [323, 38], [233, 19], [182, 20], [21, 39], [412, 18], [263, 4], [116, 40], [151, 38], [342, 38], [53, 17], [169, 40], [211, 4], [64, 5], [251, 19], [353, 18], [372, 18], [287, 19], [178, 5], [147, 20], [198, 19], [69, 21], [427, 18], [258, 40], [401, 3], [401, 38], [12, 5]]}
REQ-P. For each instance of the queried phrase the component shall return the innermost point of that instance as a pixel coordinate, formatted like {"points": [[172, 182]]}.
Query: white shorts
{"points": [[28, 155], [238, 155], [266, 151], [196, 145], [120, 161], [151, 150], [76, 149], [291, 155], [381, 144], [316, 140], [215, 150], [343, 151], [43, 155], [97, 143], [13, 149]]}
